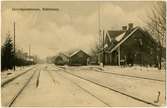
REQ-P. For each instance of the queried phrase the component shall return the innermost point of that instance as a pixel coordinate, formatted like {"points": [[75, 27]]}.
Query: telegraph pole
{"points": [[14, 47], [103, 50], [100, 38], [99, 31], [29, 50]]}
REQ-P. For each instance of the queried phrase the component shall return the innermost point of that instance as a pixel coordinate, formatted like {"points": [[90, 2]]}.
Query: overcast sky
{"points": [[74, 26]]}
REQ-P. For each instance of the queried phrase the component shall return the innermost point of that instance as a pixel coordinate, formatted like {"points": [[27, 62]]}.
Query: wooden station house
{"points": [[131, 45]]}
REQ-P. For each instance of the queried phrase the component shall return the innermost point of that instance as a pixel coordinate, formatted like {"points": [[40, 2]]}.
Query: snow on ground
{"points": [[12, 88], [146, 72], [11, 73], [109, 97], [141, 88], [59, 92], [57, 88]]}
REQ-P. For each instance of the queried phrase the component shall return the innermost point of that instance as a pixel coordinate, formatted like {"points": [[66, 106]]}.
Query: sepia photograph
{"points": [[83, 53]]}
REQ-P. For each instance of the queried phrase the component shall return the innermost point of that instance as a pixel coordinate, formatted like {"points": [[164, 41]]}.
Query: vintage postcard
{"points": [[83, 53]]}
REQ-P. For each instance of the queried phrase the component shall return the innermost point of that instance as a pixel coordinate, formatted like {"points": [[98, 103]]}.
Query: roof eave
{"points": [[123, 40]]}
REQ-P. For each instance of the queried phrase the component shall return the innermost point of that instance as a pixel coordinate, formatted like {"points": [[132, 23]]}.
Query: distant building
{"points": [[79, 58], [61, 59], [131, 45]]}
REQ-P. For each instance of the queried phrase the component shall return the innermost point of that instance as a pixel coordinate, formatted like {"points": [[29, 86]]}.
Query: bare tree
{"points": [[156, 24]]}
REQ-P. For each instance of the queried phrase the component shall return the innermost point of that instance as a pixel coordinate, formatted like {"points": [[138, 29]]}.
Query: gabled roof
{"points": [[75, 53], [121, 36], [114, 37], [114, 33], [124, 39], [78, 52]]}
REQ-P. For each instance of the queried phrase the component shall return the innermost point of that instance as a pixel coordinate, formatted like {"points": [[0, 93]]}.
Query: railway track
{"points": [[105, 103], [124, 75], [3, 83], [11, 102], [112, 89], [14, 98], [52, 78], [131, 76]]}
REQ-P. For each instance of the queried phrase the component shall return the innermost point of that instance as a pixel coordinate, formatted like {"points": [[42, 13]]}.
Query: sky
{"points": [[74, 26]]}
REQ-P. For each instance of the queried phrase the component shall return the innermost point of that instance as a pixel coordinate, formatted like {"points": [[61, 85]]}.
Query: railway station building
{"points": [[130, 45]]}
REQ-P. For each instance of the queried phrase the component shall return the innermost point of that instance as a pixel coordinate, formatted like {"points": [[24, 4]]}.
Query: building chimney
{"points": [[130, 25], [124, 28]]}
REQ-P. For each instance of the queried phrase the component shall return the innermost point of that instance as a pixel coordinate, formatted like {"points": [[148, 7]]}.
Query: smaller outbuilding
{"points": [[61, 59], [79, 58]]}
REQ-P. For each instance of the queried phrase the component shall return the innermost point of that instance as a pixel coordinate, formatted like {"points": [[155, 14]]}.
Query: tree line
{"points": [[11, 58], [156, 25]]}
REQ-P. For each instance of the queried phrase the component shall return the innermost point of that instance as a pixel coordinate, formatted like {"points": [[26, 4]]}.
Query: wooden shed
{"points": [[79, 58]]}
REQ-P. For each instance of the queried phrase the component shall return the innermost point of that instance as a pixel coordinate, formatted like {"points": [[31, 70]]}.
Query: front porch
{"points": [[113, 58]]}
